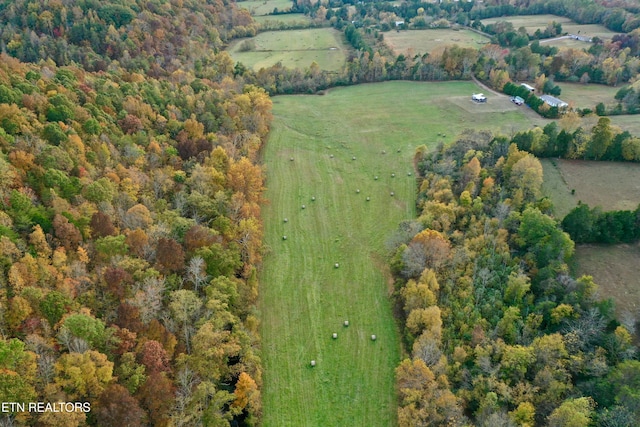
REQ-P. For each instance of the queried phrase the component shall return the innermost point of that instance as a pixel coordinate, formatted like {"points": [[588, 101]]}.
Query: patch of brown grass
{"points": [[615, 270]]}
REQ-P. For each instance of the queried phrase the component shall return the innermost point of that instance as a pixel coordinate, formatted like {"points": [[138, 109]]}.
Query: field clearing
{"points": [[264, 7], [534, 22], [289, 18], [615, 270], [610, 185], [566, 43], [304, 298], [423, 41], [294, 49], [629, 122], [587, 96]]}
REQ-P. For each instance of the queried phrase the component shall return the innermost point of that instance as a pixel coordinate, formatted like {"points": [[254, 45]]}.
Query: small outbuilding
{"points": [[552, 101], [528, 87]]}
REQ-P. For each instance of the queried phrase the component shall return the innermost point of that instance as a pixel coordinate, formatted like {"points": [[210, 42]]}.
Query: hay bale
{"points": [[398, 150], [304, 207], [313, 198], [392, 194], [376, 177], [284, 237], [408, 173], [286, 220], [373, 338], [368, 198], [353, 158], [346, 323], [384, 151], [358, 191], [393, 175], [336, 265], [331, 156], [313, 363], [291, 159], [334, 336]]}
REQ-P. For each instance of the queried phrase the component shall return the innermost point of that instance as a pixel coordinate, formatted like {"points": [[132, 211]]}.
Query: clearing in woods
{"points": [[613, 267], [293, 48], [264, 7], [423, 41], [589, 95], [534, 22], [304, 298]]}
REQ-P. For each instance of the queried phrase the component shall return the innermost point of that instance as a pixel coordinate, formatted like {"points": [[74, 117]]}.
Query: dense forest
{"points": [[499, 333], [130, 228]]}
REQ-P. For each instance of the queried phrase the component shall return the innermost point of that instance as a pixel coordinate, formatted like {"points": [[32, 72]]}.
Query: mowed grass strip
{"points": [[264, 7], [294, 49], [423, 41], [304, 298]]}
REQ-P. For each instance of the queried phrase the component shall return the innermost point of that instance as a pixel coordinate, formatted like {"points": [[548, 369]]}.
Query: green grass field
{"points": [[595, 183], [264, 7], [304, 298], [422, 41], [587, 96], [533, 22], [288, 19], [294, 49]]}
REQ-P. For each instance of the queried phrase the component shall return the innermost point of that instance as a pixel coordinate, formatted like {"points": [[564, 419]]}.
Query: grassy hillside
{"points": [[304, 298]]}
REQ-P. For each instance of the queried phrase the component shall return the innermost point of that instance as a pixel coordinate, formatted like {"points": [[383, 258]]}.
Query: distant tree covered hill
{"points": [[157, 36]]}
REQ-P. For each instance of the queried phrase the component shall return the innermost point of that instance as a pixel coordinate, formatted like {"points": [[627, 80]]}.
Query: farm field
{"points": [[610, 185], [587, 96], [290, 18], [304, 298], [264, 7], [423, 41], [615, 270], [294, 49], [534, 22], [629, 122]]}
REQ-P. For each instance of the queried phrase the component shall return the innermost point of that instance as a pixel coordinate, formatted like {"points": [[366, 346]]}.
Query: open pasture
{"points": [[615, 269], [272, 21], [587, 96], [423, 41], [294, 49], [610, 185], [534, 22], [304, 298], [264, 7]]}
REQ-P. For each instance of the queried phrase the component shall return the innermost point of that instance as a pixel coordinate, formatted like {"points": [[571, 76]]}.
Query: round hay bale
{"points": [[373, 337], [313, 198], [286, 220], [376, 177], [384, 151], [398, 150], [358, 191], [304, 207], [331, 156], [346, 323], [336, 265], [334, 336], [408, 173], [353, 158], [284, 237], [393, 175], [291, 159], [368, 198], [392, 194], [313, 363]]}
